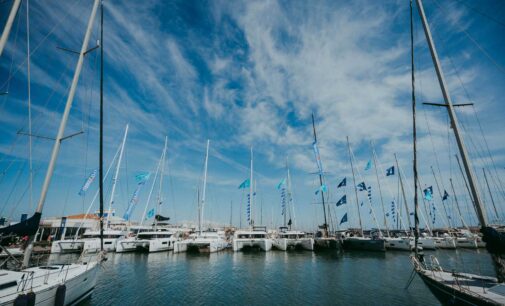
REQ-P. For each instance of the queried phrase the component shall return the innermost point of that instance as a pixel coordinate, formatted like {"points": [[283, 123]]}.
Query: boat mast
{"points": [[355, 187], [290, 196], [404, 196], [202, 203], [116, 174], [8, 25], [441, 196], [63, 124], [100, 157], [414, 131], [457, 204], [325, 225], [454, 120], [251, 182], [160, 199], [380, 190]]}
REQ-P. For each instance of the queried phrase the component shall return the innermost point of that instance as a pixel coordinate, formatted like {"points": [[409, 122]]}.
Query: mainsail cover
{"points": [[27, 227], [161, 218]]}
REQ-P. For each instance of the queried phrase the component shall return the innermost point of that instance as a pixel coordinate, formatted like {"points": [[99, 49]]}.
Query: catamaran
{"points": [[256, 237], [202, 241], [286, 238], [50, 284]]}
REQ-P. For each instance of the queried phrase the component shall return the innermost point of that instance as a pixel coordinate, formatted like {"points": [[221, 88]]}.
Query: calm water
{"points": [[279, 278]]}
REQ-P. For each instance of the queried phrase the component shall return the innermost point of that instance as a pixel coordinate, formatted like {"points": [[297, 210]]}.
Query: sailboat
{"points": [[256, 237], [159, 239], [360, 242], [287, 238], [323, 241], [51, 284], [451, 287], [91, 238], [202, 241]]}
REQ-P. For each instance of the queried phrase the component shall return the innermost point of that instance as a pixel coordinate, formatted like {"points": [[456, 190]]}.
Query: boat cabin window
{"points": [[249, 236]]}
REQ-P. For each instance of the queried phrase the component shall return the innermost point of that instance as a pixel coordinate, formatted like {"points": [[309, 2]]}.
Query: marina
{"points": [[213, 156]]}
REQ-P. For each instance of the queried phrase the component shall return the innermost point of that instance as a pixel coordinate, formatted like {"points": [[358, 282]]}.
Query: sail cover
{"points": [[161, 218], [26, 227]]}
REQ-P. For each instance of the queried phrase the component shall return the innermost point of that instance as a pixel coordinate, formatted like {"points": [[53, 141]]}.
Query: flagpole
{"points": [[325, 225], [162, 168], [114, 180], [355, 187], [204, 187]]}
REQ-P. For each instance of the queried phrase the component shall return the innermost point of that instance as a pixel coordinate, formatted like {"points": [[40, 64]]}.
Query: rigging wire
{"points": [[482, 13]]}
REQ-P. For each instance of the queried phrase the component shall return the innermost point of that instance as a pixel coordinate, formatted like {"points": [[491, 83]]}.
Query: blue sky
{"points": [[250, 73]]}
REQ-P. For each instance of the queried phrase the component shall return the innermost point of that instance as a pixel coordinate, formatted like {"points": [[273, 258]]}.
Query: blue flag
{"points": [[344, 219], [245, 184], [342, 201], [150, 214], [361, 186], [283, 182], [390, 171], [323, 188], [446, 195], [343, 183], [428, 193], [134, 199], [368, 165], [318, 157], [88, 182], [142, 177]]}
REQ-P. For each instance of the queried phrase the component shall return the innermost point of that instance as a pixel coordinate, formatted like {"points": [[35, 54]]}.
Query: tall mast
{"points": [[116, 174], [28, 77], [457, 204], [355, 187], [290, 196], [251, 196], [379, 184], [404, 196], [151, 191], [414, 130], [162, 171], [454, 120], [204, 188], [8, 25], [325, 225], [100, 158], [63, 124]]}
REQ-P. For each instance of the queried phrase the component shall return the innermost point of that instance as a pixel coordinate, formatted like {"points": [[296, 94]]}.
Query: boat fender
{"points": [[25, 299], [59, 299]]}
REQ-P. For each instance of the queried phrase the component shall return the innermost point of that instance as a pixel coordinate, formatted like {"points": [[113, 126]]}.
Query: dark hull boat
{"points": [[460, 288], [327, 244], [364, 244]]}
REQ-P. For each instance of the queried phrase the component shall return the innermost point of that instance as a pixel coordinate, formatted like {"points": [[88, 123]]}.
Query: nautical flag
{"points": [[142, 177], [428, 193], [361, 203], [343, 183], [150, 214], [446, 195], [390, 171], [368, 165], [342, 200], [344, 219], [88, 182], [323, 188], [318, 157], [135, 198], [282, 182], [369, 193], [245, 184], [411, 213], [361, 186], [248, 208], [289, 222]]}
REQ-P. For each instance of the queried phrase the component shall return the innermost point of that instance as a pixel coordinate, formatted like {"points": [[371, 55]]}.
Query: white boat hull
{"points": [[466, 243], [156, 245], [427, 243], [401, 244], [445, 242], [285, 244], [264, 244], [126, 245], [79, 280], [201, 246], [67, 246], [93, 245]]}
